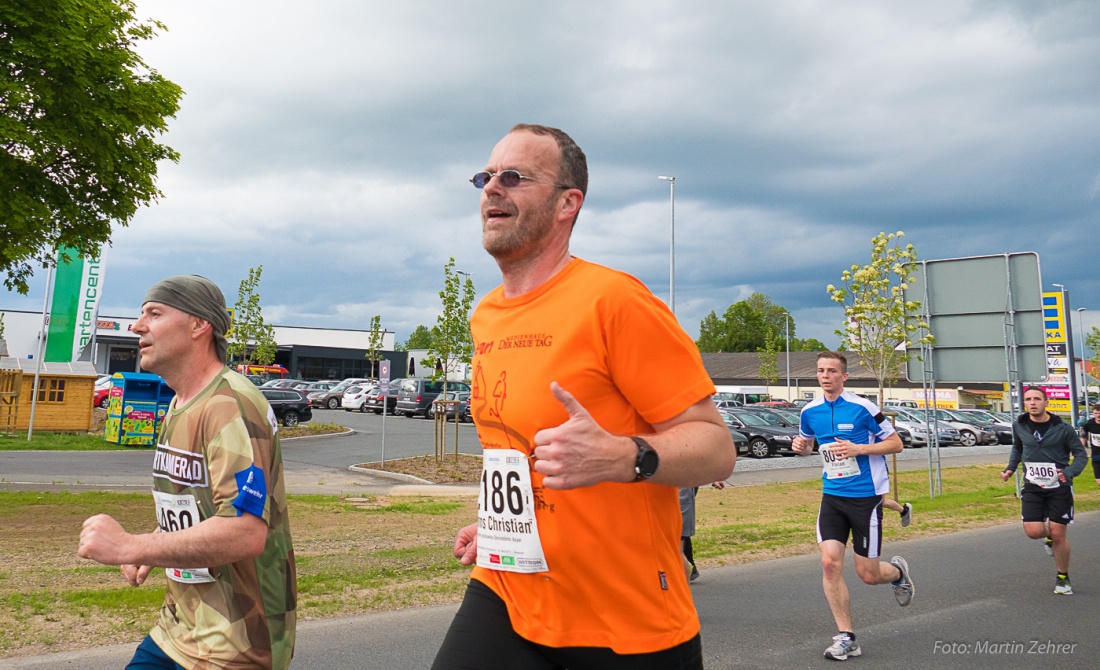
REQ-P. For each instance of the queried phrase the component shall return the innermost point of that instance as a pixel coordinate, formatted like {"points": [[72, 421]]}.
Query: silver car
{"points": [[968, 434]]}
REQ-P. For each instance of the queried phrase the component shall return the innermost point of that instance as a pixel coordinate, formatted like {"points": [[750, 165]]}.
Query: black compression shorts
{"points": [[481, 638], [859, 517]]}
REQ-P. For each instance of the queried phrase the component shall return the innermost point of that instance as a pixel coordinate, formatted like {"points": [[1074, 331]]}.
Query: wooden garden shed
{"points": [[65, 393]]}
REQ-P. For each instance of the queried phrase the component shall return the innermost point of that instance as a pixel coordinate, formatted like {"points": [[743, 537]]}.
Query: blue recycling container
{"points": [[138, 403]]}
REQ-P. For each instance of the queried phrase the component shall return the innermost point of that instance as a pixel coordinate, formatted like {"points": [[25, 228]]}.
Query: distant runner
{"points": [[854, 438], [1044, 443], [1090, 437]]}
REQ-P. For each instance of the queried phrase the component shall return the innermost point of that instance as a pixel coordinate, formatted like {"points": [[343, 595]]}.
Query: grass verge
{"points": [[369, 554], [41, 441]]}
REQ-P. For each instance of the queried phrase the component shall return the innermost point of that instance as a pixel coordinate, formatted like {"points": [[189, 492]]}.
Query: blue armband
{"points": [[252, 495]]}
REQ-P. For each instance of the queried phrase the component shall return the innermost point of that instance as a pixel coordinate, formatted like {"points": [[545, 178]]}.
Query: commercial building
{"points": [[743, 369], [308, 353]]}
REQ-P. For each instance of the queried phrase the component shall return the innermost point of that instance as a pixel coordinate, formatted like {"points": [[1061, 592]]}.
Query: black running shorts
{"points": [[1039, 505], [481, 637], [859, 517]]}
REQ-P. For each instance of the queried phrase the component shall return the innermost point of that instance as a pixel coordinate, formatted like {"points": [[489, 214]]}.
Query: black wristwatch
{"points": [[645, 466]]}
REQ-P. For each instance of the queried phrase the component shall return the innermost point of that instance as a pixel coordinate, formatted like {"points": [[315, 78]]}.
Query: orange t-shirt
{"points": [[615, 576]]}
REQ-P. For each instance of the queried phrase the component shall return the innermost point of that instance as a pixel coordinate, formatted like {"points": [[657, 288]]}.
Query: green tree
{"points": [[744, 326], [420, 338], [374, 344], [877, 318], [712, 334], [452, 342], [769, 358], [1092, 341], [808, 344], [252, 341], [80, 113]]}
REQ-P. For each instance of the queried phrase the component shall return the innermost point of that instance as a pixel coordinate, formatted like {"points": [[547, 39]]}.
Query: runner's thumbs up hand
{"points": [[579, 452]]}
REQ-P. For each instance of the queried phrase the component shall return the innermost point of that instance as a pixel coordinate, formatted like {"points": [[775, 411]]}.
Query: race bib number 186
{"points": [[507, 532]]}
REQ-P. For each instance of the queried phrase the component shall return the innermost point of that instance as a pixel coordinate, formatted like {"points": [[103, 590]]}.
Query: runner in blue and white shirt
{"points": [[854, 438]]}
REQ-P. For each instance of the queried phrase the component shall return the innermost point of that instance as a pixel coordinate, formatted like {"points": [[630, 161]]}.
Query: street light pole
{"points": [[671, 242], [787, 333], [1084, 388]]}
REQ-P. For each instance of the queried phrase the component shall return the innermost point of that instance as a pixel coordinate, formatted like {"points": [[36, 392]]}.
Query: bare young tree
{"points": [[251, 340], [452, 342], [374, 344], [878, 319]]}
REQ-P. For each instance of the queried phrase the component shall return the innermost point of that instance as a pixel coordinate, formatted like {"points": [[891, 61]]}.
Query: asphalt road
{"points": [[984, 599], [313, 465]]}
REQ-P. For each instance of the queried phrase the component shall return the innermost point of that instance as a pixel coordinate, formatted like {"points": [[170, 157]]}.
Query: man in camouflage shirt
{"points": [[223, 536]]}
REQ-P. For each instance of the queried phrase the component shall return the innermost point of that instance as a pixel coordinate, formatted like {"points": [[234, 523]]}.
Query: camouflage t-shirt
{"points": [[219, 455]]}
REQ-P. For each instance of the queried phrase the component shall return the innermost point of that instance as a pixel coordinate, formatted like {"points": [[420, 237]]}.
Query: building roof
{"points": [[28, 366], [744, 368]]}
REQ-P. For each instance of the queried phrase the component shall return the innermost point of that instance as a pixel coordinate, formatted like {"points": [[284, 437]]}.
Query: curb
{"points": [[349, 431], [395, 476]]}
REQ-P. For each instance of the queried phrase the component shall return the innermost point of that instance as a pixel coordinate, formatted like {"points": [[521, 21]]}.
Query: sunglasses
{"points": [[507, 179]]}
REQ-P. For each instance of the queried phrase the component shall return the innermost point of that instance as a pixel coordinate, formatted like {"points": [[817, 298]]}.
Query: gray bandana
{"points": [[197, 296]]}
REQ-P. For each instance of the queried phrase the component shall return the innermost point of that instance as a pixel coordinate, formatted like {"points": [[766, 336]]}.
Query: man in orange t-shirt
{"points": [[593, 407]]}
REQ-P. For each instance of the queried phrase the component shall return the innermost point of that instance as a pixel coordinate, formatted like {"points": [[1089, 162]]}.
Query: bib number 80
{"points": [[504, 490]]}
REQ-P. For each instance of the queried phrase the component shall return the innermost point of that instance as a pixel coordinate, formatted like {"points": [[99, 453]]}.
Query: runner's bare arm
{"points": [[211, 542], [695, 448], [891, 445]]}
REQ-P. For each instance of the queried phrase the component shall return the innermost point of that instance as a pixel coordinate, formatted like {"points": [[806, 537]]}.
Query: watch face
{"points": [[647, 463]]}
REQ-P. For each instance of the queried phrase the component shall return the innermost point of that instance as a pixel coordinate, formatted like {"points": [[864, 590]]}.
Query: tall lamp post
{"points": [[1084, 388], [787, 334], [671, 242]]}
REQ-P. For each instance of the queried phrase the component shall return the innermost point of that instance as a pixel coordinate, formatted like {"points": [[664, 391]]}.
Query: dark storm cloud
{"points": [[331, 142]]}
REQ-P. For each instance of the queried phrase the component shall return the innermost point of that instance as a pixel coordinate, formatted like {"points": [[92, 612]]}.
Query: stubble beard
{"points": [[510, 242]]}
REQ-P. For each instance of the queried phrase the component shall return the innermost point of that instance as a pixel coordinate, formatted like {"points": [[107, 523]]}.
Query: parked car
{"points": [[458, 408], [764, 439], [354, 397], [918, 432], [373, 401], [281, 383], [331, 398], [911, 404], [740, 440], [772, 403], [101, 394], [319, 386], [950, 432], [416, 394], [775, 417], [970, 432], [1002, 428], [290, 406], [727, 404]]}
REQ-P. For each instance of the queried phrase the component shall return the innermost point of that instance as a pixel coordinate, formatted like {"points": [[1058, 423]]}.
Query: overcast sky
{"points": [[332, 141]]}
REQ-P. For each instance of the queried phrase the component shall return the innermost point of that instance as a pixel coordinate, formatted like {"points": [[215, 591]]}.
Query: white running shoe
{"points": [[842, 647], [903, 589], [1062, 587]]}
